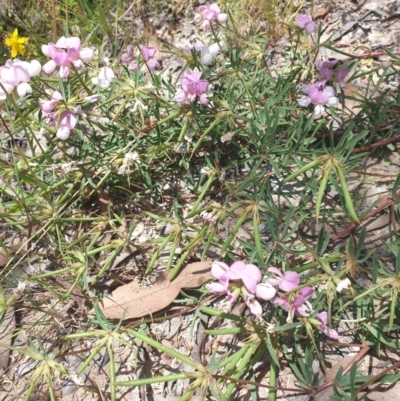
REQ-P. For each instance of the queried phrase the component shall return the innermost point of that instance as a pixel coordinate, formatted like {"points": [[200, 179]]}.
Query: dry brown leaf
{"points": [[138, 302], [104, 200], [352, 106], [320, 13], [330, 377]]}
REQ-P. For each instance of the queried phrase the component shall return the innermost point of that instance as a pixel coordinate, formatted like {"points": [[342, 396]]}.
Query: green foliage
{"points": [[238, 179]]}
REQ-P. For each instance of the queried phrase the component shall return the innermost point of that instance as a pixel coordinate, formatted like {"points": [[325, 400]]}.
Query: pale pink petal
{"points": [[222, 18], [253, 305], [63, 133], [153, 64], [34, 68], [63, 72], [218, 269], [304, 101], [86, 54], [49, 67], [290, 281], [68, 119], [217, 288], [181, 97], [204, 99], [265, 291]]}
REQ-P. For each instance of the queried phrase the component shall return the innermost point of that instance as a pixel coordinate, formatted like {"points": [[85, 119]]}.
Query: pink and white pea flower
{"points": [[320, 95], [192, 87], [66, 124], [207, 14], [300, 306], [254, 306], [49, 105], [286, 282], [17, 74], [249, 274]]}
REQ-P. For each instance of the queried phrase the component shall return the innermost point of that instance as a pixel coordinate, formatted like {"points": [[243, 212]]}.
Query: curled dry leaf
{"points": [[138, 302]]}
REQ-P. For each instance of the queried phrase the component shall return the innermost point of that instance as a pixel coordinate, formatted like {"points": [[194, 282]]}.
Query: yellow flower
{"points": [[16, 43]]}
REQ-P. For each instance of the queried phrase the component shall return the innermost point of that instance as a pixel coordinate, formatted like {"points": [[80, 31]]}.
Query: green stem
{"points": [[274, 370]]}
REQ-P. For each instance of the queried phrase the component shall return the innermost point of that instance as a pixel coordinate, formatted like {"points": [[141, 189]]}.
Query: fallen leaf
{"points": [[320, 13], [352, 100], [330, 377], [138, 302], [104, 200]]}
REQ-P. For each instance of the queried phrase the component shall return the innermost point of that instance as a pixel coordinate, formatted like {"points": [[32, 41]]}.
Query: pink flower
{"points": [[17, 74], [306, 22], [67, 119], [286, 282], [341, 75], [49, 105], [148, 54], [66, 123], [192, 87], [207, 14], [323, 318], [320, 95], [253, 305], [249, 274], [128, 56], [299, 306], [133, 66]]}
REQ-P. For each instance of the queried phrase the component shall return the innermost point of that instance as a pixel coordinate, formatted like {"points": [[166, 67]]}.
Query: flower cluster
{"points": [[193, 86], [320, 94], [17, 74], [207, 14], [241, 278], [246, 280], [63, 54]]}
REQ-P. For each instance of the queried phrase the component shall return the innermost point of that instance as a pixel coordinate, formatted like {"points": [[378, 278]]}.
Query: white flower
{"points": [[208, 53], [344, 284], [105, 77], [131, 158], [23, 89]]}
